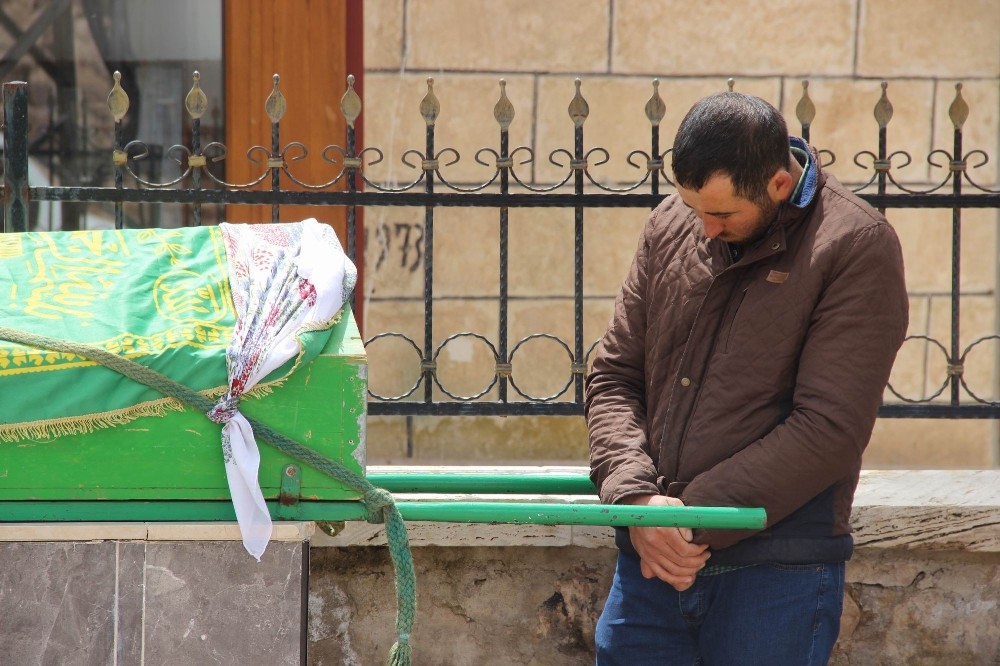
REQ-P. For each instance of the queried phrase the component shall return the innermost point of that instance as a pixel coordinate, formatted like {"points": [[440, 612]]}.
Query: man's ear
{"points": [[780, 187]]}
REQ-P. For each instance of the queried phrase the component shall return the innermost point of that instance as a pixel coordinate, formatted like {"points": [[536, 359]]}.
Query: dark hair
{"points": [[739, 135]]}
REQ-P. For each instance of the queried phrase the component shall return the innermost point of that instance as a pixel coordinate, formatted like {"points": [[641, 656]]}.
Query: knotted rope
{"points": [[379, 502]]}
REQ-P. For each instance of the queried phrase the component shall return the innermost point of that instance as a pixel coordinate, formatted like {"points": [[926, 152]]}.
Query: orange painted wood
{"points": [[305, 42], [312, 45]]}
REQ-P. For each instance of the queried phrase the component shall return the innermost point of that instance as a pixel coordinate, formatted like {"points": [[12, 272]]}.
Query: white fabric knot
{"points": [[224, 410]]}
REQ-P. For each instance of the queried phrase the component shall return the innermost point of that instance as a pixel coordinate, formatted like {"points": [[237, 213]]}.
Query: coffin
{"points": [[163, 298]]}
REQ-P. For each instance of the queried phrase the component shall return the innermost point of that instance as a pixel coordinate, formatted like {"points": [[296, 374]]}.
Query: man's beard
{"points": [[765, 221]]}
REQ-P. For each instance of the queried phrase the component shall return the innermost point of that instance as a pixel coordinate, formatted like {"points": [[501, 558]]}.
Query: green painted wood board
{"points": [[179, 456]]}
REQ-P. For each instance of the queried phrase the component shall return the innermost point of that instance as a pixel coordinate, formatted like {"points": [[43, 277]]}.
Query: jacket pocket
{"points": [[732, 322]]}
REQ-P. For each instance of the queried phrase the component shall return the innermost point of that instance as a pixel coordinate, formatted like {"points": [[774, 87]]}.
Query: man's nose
{"points": [[712, 228]]}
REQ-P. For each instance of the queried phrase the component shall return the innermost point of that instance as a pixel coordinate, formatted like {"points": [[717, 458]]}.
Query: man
{"points": [[743, 366]]}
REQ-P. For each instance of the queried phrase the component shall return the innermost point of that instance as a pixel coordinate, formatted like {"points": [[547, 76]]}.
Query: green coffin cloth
{"points": [[159, 296]]}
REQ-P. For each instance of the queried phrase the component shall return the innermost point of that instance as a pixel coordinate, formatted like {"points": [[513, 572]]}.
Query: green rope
{"points": [[380, 504]]}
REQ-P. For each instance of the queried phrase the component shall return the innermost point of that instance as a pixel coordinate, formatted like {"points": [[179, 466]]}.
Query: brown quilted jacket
{"points": [[754, 383]]}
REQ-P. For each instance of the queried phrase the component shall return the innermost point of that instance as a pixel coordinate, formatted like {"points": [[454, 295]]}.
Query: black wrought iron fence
{"points": [[504, 186]]}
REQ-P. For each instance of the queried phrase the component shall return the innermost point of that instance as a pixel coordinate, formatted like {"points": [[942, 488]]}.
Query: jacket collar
{"points": [[790, 212]]}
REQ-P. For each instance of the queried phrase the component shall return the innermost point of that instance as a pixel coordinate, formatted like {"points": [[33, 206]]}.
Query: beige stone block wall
{"points": [[928, 38], [932, 444], [977, 319], [388, 440], [611, 237], [514, 35], [534, 229], [924, 232], [980, 131], [845, 124], [465, 124], [393, 254], [472, 440], [617, 120], [844, 48], [722, 37], [466, 240], [466, 366], [383, 41], [921, 368], [393, 363]]}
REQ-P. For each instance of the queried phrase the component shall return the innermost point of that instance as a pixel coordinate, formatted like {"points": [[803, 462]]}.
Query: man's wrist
{"points": [[639, 500]]}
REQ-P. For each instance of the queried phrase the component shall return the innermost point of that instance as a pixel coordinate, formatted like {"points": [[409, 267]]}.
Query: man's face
{"points": [[726, 215]]}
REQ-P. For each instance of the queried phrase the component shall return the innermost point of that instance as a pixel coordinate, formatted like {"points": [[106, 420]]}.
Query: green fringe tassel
{"points": [[400, 654]]}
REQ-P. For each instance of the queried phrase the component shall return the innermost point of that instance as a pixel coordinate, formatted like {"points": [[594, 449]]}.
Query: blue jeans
{"points": [[768, 614]]}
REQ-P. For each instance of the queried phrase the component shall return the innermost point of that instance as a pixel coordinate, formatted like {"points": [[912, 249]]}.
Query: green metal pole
{"points": [[450, 482], [518, 513], [523, 513]]}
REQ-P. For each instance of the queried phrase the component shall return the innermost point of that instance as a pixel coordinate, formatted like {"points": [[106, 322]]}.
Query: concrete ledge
{"points": [[917, 510], [928, 510]]}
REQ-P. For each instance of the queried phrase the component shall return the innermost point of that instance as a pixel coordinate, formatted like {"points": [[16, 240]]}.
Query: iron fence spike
{"points": [[196, 101], [350, 103], [655, 108], [504, 110], [959, 109], [578, 108], [118, 99], [883, 109], [805, 110], [430, 107], [275, 106]]}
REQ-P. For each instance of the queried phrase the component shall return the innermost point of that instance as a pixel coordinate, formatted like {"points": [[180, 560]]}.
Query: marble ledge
{"points": [[201, 531]]}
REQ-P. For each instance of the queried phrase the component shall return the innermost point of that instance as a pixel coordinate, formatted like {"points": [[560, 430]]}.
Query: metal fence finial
{"points": [[275, 106], [655, 108], [578, 108], [350, 103], [805, 110], [504, 110], [196, 101], [883, 110], [118, 99], [959, 109], [731, 82], [430, 107]]}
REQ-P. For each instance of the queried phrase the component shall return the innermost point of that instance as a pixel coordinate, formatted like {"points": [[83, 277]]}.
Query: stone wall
{"points": [[538, 606], [845, 48], [923, 587]]}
